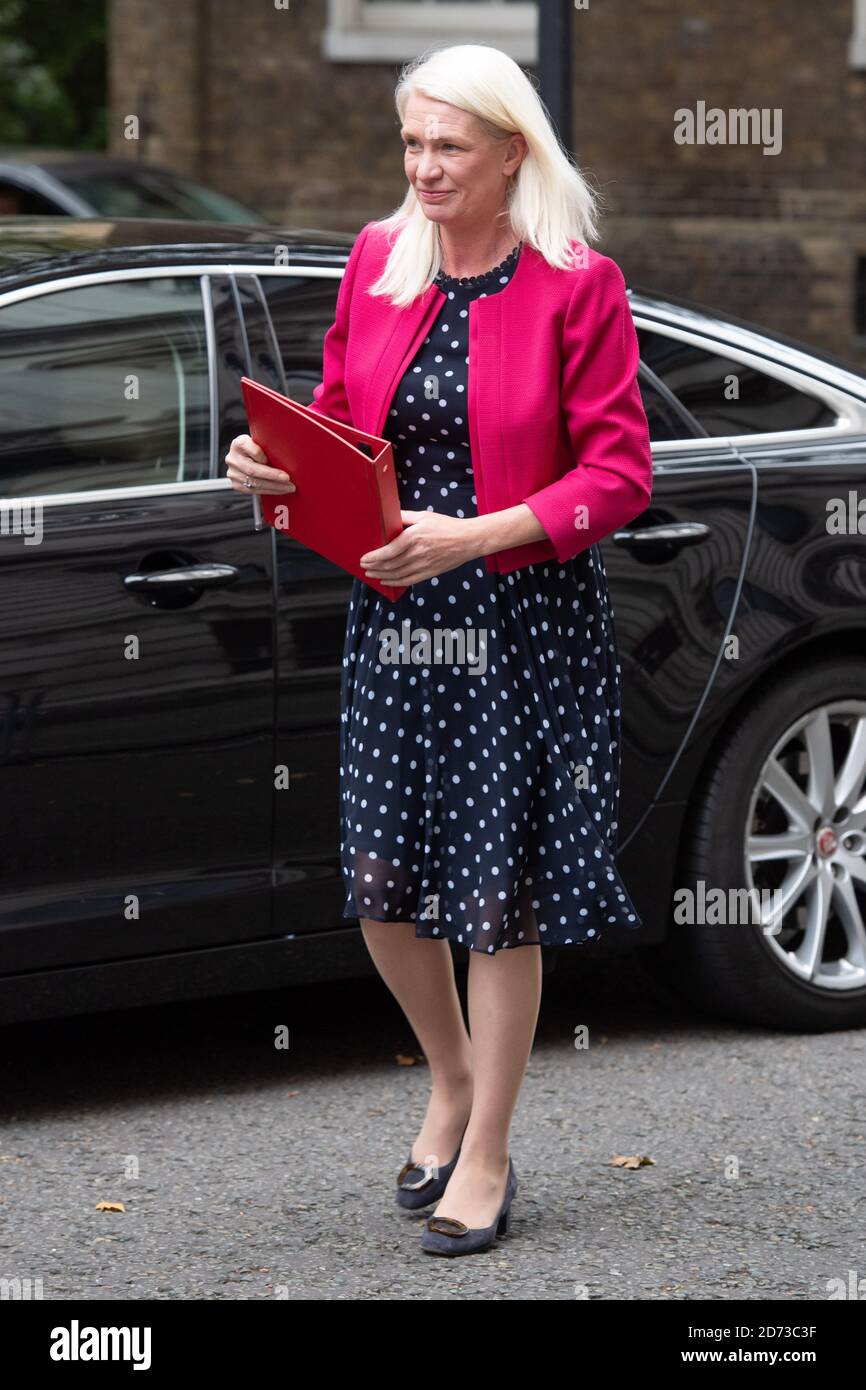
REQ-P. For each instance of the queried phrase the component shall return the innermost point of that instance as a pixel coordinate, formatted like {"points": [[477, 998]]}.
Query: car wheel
{"points": [[781, 813]]}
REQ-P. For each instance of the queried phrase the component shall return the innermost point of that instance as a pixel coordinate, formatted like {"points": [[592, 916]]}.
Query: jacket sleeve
{"points": [[611, 482], [329, 397]]}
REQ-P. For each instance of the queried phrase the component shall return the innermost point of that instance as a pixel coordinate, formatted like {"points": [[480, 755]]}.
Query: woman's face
{"points": [[448, 153]]}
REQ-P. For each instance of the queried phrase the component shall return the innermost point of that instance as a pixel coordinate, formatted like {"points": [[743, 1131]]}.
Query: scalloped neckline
{"points": [[464, 281]]}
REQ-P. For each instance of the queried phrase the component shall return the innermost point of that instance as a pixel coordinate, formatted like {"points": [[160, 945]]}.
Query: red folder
{"points": [[347, 503]]}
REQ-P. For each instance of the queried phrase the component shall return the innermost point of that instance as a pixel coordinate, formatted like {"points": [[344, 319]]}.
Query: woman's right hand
{"points": [[249, 471]]}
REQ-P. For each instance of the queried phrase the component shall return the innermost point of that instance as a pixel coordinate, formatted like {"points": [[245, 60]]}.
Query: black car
{"points": [[169, 677], [42, 182]]}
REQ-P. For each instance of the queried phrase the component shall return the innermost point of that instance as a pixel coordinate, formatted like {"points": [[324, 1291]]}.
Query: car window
{"points": [[302, 310], [141, 192], [103, 386], [266, 365], [23, 202], [728, 397], [663, 420]]}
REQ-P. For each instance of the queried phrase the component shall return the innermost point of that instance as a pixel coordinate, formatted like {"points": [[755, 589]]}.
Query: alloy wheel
{"points": [[805, 847]]}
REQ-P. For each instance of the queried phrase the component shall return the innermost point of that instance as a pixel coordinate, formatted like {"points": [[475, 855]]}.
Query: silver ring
{"points": [[249, 482]]}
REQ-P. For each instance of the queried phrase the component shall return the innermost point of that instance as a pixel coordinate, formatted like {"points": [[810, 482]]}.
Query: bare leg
{"points": [[419, 972], [504, 1000]]}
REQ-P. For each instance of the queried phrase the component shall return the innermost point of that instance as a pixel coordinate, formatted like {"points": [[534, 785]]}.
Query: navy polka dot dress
{"points": [[480, 721]]}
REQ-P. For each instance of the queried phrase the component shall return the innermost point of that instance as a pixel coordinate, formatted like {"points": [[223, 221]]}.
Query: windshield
{"points": [[152, 193]]}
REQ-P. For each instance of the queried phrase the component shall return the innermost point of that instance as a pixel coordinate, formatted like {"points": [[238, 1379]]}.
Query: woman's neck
{"points": [[474, 253]]}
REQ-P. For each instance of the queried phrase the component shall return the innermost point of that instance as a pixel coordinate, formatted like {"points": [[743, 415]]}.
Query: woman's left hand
{"points": [[431, 544]]}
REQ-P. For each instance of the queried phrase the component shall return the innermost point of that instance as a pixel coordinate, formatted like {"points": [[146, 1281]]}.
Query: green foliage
{"points": [[53, 73]]}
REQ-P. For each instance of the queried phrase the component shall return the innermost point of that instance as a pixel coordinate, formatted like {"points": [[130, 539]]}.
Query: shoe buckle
{"points": [[428, 1169], [447, 1226]]}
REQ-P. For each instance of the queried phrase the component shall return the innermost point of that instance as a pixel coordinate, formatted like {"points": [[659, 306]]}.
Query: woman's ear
{"points": [[516, 153]]}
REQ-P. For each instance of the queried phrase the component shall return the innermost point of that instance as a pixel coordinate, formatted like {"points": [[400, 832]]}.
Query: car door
{"points": [[675, 575], [136, 635]]}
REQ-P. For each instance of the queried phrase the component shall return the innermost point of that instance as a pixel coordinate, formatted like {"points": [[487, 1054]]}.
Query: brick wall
{"points": [[238, 95]]}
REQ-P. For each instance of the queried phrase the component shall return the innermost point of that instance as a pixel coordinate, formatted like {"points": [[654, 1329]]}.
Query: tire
{"points": [[749, 829]]}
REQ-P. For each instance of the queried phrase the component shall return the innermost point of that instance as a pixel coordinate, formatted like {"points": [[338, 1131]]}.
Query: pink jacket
{"points": [[555, 414]]}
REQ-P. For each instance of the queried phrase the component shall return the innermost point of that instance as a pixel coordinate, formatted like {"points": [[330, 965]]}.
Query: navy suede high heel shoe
{"points": [[418, 1185], [443, 1235]]}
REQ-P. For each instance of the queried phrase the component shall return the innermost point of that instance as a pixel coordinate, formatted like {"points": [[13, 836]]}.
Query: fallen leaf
{"points": [[405, 1061], [632, 1161], [110, 1206]]}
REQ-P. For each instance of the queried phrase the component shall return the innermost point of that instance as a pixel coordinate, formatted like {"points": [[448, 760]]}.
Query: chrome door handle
{"points": [[673, 533], [204, 576]]}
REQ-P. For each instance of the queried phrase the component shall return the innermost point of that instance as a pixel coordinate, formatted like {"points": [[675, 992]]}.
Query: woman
{"points": [[479, 786]]}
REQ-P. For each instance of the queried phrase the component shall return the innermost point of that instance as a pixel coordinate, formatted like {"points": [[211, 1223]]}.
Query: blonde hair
{"points": [[548, 202]]}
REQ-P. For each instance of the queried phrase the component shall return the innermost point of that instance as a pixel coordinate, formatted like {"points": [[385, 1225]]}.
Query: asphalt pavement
{"points": [[252, 1171]]}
